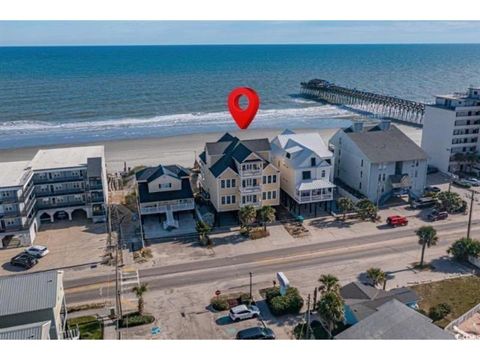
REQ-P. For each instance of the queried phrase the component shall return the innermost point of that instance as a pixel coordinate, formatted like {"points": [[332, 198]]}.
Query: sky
{"points": [[60, 33]]}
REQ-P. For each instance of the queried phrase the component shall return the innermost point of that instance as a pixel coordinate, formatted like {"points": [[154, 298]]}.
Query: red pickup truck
{"points": [[397, 220]]}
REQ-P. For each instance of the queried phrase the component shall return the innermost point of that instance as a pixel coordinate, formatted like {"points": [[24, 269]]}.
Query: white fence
{"points": [[461, 319]]}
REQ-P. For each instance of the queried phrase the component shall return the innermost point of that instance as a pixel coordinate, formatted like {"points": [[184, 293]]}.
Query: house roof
{"points": [[151, 173], [315, 184], [35, 331], [363, 300], [292, 142], [385, 145], [394, 321], [184, 193], [29, 292], [232, 148], [46, 159], [14, 173]]}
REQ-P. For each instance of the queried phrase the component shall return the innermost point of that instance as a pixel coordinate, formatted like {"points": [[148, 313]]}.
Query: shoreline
{"points": [[181, 149]]}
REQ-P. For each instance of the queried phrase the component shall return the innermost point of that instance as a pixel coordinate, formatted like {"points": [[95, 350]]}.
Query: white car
{"points": [[243, 312], [473, 181], [37, 250]]}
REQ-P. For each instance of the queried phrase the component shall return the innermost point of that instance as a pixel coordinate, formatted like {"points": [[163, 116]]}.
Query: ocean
{"points": [[63, 95]]}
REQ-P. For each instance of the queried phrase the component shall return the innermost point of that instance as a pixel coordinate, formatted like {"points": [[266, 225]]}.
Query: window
{"points": [[416, 163], [274, 194], [264, 179], [361, 174], [361, 162], [264, 196], [274, 179], [228, 199], [360, 185], [379, 177], [313, 162], [165, 186], [306, 175], [222, 184], [233, 183], [227, 183], [383, 177], [323, 173], [288, 155]]}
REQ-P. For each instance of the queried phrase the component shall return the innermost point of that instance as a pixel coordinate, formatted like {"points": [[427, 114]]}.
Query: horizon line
{"points": [[237, 44]]}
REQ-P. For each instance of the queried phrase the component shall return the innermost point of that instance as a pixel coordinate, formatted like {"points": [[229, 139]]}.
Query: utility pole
{"points": [[307, 319], [251, 274], [470, 213]]}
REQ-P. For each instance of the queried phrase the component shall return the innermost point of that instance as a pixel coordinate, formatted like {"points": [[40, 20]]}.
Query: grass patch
{"points": [[461, 294], [135, 319], [89, 326], [74, 308]]}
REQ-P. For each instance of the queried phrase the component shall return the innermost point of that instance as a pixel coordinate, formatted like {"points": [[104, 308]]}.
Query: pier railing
{"points": [[385, 106]]}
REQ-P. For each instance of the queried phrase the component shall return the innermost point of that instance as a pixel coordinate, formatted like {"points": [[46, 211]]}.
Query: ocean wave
{"points": [[198, 119]]}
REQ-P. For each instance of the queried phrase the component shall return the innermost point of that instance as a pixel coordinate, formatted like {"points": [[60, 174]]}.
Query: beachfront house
{"points": [[57, 184], [32, 304], [306, 171], [378, 161], [450, 131], [235, 173], [165, 200]]}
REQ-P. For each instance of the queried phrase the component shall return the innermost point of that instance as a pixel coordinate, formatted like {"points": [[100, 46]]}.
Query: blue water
{"points": [[53, 95]]}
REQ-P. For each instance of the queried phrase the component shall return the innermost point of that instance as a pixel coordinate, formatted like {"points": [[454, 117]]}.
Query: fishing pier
{"points": [[369, 103]]}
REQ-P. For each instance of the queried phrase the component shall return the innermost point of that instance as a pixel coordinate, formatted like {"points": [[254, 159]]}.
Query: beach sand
{"points": [[180, 150]]}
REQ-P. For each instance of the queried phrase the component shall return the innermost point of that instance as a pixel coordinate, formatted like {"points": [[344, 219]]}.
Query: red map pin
{"points": [[243, 117]]}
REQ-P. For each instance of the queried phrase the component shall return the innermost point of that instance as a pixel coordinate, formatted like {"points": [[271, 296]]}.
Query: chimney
{"points": [[357, 126], [384, 125]]}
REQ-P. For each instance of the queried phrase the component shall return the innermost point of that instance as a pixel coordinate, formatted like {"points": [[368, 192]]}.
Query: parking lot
{"points": [[70, 244]]}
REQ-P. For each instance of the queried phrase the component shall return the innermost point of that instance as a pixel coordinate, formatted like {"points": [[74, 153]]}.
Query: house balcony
{"points": [[250, 189], [48, 192], [42, 205], [314, 191], [313, 197], [164, 207], [251, 173], [59, 179], [8, 199]]}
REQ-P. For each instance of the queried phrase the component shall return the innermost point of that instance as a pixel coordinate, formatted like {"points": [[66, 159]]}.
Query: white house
{"points": [[450, 131], [306, 170], [379, 161]]}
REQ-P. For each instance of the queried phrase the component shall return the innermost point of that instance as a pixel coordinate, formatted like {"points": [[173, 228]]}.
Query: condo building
{"points": [[379, 161], [56, 184], [235, 173], [306, 170], [450, 131]]}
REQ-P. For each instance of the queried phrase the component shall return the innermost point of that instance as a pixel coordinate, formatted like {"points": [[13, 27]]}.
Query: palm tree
{"points": [[247, 215], [329, 284], [267, 215], [203, 229], [139, 291], [345, 205], [427, 236], [376, 276], [367, 210], [331, 309]]}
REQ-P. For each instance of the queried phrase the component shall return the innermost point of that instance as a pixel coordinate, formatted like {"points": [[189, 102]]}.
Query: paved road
{"points": [[303, 256]]}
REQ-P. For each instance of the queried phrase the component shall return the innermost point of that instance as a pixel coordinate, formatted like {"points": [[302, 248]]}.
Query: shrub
{"points": [[438, 312], [220, 303], [135, 319], [291, 303], [463, 248]]}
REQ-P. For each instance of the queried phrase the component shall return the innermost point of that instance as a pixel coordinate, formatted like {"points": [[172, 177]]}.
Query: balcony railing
{"points": [[95, 186], [41, 205], [49, 192], [58, 179], [8, 199], [252, 172], [145, 210], [252, 203], [250, 189]]}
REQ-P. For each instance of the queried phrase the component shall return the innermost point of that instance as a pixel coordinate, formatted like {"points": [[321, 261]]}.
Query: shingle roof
{"points": [[145, 196], [29, 292], [363, 300], [395, 321], [386, 145], [150, 173], [233, 149], [35, 331]]}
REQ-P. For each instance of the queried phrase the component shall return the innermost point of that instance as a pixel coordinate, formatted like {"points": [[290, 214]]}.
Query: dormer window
{"points": [[288, 155], [313, 162]]}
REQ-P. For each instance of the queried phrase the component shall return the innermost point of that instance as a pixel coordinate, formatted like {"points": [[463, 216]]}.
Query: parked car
{"points": [[243, 312], [423, 203], [397, 220], [432, 189], [37, 251], [256, 333], [24, 260], [437, 215], [62, 215], [461, 183], [472, 181]]}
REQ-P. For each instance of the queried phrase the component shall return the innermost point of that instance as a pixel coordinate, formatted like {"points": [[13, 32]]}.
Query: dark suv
{"points": [[256, 333], [437, 215], [24, 260]]}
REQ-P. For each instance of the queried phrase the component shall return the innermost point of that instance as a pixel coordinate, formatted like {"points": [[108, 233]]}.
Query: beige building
{"points": [[236, 173]]}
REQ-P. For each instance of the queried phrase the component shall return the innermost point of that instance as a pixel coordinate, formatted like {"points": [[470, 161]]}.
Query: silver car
{"points": [[37, 251], [243, 312]]}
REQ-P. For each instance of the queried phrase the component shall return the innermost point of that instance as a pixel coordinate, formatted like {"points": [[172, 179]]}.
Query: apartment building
{"points": [[18, 224], [236, 173], [379, 161], [165, 198], [57, 183], [450, 131], [306, 170], [33, 301]]}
